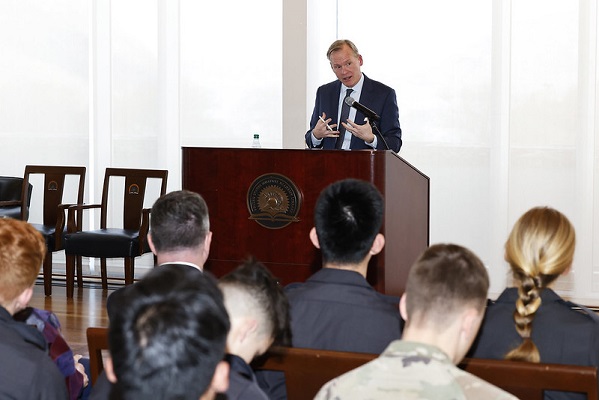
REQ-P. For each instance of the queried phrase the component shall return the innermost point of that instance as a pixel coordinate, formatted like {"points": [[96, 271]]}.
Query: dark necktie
{"points": [[344, 117]]}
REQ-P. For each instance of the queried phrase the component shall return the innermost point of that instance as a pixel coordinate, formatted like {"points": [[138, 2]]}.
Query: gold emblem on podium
{"points": [[274, 201]]}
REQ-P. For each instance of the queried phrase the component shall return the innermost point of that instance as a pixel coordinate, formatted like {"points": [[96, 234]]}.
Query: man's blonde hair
{"points": [[339, 44]]}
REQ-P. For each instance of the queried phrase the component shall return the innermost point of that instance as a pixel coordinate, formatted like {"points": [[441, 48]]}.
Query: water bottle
{"points": [[256, 141]]}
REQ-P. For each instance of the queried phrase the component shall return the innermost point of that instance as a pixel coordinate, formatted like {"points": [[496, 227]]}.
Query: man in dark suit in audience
{"points": [[336, 308], [167, 341], [179, 233]]}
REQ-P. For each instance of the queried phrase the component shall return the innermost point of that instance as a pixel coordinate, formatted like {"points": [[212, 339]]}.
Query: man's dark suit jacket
{"points": [[378, 97], [338, 310], [564, 333]]}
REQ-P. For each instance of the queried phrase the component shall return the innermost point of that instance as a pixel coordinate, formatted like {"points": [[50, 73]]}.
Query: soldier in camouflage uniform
{"points": [[443, 307]]}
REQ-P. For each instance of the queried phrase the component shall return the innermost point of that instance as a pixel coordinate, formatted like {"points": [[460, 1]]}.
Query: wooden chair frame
{"points": [[97, 341], [53, 207], [135, 217]]}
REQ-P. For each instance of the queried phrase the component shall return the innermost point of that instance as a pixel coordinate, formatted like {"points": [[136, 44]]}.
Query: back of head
{"points": [[445, 280], [179, 220], [168, 335], [22, 251], [348, 215], [539, 249], [252, 291]]}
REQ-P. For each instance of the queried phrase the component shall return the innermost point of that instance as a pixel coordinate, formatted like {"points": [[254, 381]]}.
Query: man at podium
{"points": [[354, 112]]}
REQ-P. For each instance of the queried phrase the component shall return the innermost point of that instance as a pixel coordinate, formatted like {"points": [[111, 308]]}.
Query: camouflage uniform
{"points": [[410, 370]]}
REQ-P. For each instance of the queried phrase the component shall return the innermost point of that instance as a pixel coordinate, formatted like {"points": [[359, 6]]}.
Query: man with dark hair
{"points": [[179, 233], [180, 229], [443, 306], [179, 236], [336, 308], [259, 314], [168, 339]]}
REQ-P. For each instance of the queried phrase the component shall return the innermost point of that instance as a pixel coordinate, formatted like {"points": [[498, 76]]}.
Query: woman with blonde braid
{"points": [[530, 322]]}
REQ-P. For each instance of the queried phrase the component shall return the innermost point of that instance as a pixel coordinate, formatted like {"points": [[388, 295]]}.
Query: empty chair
{"points": [[53, 220], [11, 202], [128, 241]]}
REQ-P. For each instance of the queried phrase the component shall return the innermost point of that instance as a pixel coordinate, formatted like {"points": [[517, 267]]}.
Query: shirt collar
{"points": [[357, 88], [184, 263]]}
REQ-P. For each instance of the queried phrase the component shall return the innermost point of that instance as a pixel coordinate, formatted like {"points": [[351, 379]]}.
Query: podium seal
{"points": [[273, 201]]}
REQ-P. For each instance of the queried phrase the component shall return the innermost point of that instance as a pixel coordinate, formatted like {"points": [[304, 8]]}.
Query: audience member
{"points": [[336, 125], [336, 308], [179, 233], [443, 306], [530, 322], [73, 367], [168, 339], [26, 370], [258, 311]]}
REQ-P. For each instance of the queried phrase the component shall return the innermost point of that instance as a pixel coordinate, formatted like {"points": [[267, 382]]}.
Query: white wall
{"points": [[497, 98]]}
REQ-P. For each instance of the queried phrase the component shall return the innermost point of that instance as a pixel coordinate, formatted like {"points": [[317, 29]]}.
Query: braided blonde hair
{"points": [[539, 249]]}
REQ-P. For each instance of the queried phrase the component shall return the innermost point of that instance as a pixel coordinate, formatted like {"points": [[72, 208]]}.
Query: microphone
{"points": [[350, 101]]}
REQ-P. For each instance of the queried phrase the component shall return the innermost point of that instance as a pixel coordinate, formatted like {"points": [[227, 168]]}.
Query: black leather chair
{"points": [[11, 203], [53, 222], [128, 241]]}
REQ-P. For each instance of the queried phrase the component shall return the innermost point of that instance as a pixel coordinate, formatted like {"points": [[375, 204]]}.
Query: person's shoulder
{"points": [[377, 85], [241, 388], [574, 311], [476, 388], [329, 87]]}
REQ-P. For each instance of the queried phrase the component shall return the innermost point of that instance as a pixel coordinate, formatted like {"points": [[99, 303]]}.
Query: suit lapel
{"points": [[329, 143]]}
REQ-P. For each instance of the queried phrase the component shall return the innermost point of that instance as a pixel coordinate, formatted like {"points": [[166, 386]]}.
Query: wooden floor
{"points": [[86, 308]]}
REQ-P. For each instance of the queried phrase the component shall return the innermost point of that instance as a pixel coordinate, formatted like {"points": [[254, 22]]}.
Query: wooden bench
{"points": [[529, 380], [307, 370]]}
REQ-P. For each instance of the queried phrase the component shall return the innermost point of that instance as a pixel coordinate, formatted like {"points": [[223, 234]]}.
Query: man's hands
{"points": [[81, 369], [323, 129], [364, 131]]}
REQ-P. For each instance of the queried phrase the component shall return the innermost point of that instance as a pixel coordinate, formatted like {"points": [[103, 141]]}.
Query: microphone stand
{"points": [[375, 130]]}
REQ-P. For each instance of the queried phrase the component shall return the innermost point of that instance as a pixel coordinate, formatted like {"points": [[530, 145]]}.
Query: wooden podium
{"points": [[229, 180]]}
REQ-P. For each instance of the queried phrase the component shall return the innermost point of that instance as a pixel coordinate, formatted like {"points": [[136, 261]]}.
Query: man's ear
{"points": [[378, 244], [471, 320], [151, 243], [314, 238], [402, 308], [207, 242], [23, 299], [109, 368], [247, 327]]}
